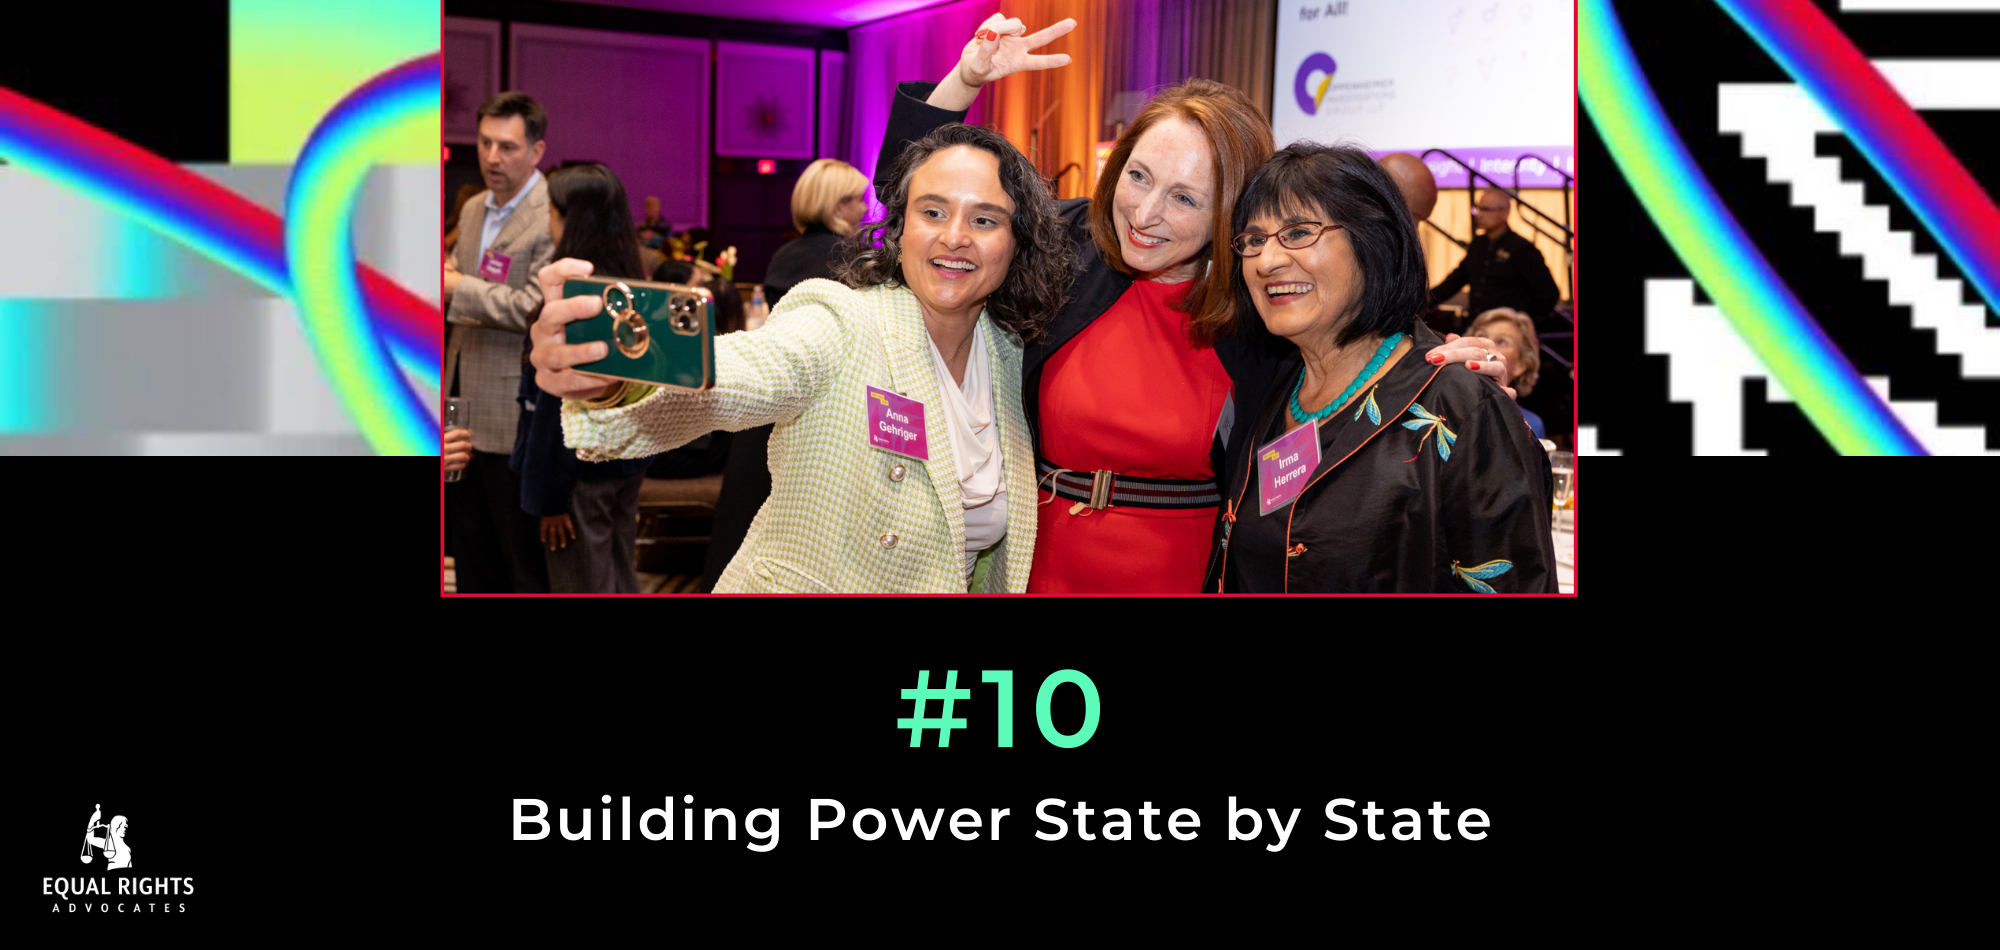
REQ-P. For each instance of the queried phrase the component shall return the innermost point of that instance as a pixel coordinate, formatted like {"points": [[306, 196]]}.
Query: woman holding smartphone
{"points": [[899, 457]]}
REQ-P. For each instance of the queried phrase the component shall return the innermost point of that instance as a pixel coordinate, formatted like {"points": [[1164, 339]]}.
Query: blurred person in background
{"points": [[1504, 268], [588, 511], [465, 194], [1513, 336], [653, 221], [827, 203], [490, 298]]}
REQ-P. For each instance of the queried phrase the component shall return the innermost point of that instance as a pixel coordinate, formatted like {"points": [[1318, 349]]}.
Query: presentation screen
{"points": [[1486, 81]]}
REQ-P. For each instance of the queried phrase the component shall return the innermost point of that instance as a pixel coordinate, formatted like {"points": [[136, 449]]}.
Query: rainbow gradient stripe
{"points": [[319, 228], [1931, 180], [236, 233], [1699, 227]]}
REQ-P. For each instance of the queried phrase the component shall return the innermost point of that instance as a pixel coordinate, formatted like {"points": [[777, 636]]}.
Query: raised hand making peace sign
{"points": [[999, 48]]}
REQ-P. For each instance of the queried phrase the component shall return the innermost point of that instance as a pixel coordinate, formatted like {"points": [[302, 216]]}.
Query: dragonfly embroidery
{"points": [[1368, 406], [1474, 575], [1428, 422]]}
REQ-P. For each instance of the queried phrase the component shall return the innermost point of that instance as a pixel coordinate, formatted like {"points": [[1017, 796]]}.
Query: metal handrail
{"points": [[1447, 235], [1569, 180], [1566, 241]]}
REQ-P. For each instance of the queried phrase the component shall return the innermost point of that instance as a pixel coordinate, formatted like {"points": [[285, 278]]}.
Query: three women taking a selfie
{"points": [[1121, 348]]}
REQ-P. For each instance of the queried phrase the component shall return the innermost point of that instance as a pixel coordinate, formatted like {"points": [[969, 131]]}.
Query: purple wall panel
{"points": [[835, 100], [764, 101], [471, 74], [639, 104]]}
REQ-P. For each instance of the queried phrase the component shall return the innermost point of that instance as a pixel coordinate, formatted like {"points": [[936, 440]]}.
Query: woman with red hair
{"points": [[1145, 379]]}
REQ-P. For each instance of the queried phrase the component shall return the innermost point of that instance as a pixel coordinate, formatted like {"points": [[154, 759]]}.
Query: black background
{"points": [[356, 785], [1188, 723], [155, 74], [187, 783]]}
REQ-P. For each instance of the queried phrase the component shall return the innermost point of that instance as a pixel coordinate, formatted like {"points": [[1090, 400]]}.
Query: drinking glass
{"points": [[1564, 464], [456, 411]]}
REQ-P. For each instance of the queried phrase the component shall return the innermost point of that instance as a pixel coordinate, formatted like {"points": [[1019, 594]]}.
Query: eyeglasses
{"points": [[1294, 237]]}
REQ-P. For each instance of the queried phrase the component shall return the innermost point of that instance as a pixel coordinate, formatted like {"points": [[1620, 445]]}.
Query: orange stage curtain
{"points": [[1053, 116], [1120, 52]]}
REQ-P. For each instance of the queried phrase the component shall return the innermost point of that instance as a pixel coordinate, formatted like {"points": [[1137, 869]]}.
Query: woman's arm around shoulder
{"points": [[763, 376]]}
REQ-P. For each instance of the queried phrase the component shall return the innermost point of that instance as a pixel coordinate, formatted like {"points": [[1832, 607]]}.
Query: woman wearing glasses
{"points": [[1366, 470], [1129, 396]]}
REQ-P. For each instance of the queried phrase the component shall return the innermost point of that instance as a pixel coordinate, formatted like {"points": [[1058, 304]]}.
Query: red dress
{"points": [[1132, 395]]}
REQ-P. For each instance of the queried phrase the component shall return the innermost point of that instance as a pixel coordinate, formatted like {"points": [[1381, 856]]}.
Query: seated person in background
{"points": [[653, 220], [1504, 268], [1513, 336]]}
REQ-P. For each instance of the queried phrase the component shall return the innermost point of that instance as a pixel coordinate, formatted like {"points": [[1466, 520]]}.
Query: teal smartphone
{"points": [[659, 334]]}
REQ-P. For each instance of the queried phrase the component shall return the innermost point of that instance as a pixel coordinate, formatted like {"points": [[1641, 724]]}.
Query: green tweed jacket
{"points": [[837, 521]]}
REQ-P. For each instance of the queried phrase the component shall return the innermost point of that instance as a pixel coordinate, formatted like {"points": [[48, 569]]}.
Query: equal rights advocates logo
{"points": [[108, 844], [1310, 93]]}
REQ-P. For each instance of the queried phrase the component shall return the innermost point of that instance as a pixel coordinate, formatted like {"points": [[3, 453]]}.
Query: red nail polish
{"points": [[1435, 358], [1473, 365]]}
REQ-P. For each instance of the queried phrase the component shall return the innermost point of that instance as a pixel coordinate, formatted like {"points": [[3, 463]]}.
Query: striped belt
{"points": [[1103, 489]]}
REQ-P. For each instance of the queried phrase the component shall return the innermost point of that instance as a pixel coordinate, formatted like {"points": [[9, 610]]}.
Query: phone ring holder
{"points": [[627, 325]]}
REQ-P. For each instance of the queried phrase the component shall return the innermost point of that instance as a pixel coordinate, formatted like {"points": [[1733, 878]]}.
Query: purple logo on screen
{"points": [[1309, 98]]}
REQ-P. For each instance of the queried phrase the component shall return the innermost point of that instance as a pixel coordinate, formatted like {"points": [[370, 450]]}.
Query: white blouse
{"points": [[975, 445]]}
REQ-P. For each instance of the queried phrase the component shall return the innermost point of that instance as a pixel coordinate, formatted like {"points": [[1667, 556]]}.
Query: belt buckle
{"points": [[1100, 489]]}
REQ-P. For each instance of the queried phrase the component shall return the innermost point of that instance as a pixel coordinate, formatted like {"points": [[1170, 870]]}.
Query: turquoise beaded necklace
{"points": [[1302, 417]]}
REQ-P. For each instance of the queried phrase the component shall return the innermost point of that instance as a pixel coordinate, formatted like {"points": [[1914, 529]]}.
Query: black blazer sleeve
{"points": [[910, 119], [1454, 280], [1496, 505]]}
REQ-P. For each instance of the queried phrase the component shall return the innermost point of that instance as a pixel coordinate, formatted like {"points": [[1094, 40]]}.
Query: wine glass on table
{"points": [[1564, 465]]}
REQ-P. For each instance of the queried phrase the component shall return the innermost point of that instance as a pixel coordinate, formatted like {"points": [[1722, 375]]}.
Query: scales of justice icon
{"points": [[112, 844]]}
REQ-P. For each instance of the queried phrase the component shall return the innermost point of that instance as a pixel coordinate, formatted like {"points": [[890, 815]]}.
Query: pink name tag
{"points": [[1285, 465], [896, 424], [493, 266]]}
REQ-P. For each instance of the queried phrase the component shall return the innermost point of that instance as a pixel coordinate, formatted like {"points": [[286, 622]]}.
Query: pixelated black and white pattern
{"points": [[1846, 245]]}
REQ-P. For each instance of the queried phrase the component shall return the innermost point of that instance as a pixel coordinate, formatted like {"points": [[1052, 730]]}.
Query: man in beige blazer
{"points": [[491, 298]]}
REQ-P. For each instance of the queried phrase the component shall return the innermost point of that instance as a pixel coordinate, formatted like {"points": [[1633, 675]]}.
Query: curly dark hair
{"points": [[1038, 278]]}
